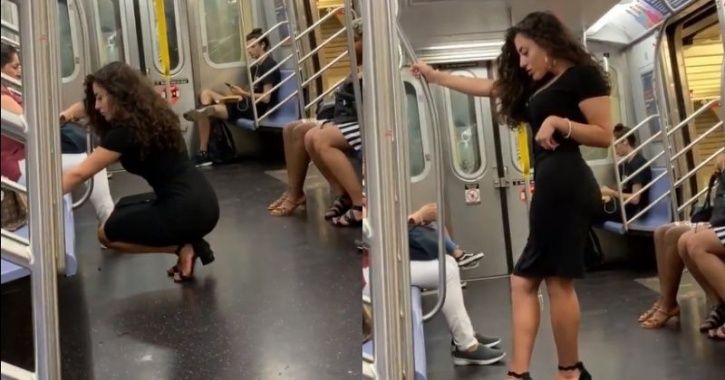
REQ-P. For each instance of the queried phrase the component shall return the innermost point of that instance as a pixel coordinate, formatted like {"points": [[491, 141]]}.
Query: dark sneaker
{"points": [[202, 159], [469, 260], [481, 356], [196, 114], [486, 341]]}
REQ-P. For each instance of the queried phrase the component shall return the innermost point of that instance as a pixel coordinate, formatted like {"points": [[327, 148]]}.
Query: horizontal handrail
{"points": [[270, 51], [271, 90], [323, 69], [270, 71], [10, 26], [329, 90], [323, 44], [636, 128], [12, 185], [647, 208], [645, 188], [16, 249], [13, 81], [695, 114], [698, 167], [643, 167], [693, 199], [318, 22], [10, 42], [285, 100], [265, 34], [639, 148], [10, 371], [695, 141], [14, 126]]}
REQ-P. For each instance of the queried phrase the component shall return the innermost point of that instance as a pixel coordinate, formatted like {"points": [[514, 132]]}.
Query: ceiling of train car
{"points": [[480, 21]]}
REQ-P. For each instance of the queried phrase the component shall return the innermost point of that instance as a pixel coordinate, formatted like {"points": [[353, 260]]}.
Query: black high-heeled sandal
{"points": [[202, 250], [348, 219], [522, 376], [583, 373], [341, 204]]}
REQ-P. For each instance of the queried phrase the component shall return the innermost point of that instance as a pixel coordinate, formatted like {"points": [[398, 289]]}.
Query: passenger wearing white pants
{"points": [[100, 196]]}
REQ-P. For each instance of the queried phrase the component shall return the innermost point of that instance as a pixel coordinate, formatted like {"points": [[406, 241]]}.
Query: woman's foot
{"points": [[339, 206], [660, 317], [277, 202], [288, 206], [185, 266], [575, 372], [714, 319], [718, 333], [351, 218], [647, 314]]}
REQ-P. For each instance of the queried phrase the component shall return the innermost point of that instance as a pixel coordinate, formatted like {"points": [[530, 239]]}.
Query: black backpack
{"points": [[221, 144]]}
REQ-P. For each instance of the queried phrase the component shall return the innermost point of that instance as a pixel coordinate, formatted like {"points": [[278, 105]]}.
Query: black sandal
{"points": [[583, 373], [341, 204], [348, 218], [715, 319], [523, 376], [202, 250]]}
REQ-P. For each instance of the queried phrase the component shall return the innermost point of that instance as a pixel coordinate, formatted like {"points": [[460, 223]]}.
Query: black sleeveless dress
{"points": [[566, 196]]}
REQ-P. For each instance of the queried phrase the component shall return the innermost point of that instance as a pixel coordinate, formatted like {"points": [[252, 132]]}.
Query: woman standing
{"points": [[547, 79], [138, 128]]}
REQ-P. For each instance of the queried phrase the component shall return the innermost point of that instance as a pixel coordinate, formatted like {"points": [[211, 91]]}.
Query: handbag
{"points": [[14, 209], [703, 213]]}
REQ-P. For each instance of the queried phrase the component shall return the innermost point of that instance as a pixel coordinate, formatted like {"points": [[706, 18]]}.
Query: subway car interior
{"points": [[283, 298]]}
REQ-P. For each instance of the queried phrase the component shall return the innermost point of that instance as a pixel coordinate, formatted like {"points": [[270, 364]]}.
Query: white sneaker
{"points": [[469, 260]]}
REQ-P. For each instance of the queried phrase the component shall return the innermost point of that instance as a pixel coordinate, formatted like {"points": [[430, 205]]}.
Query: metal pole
{"points": [[290, 8], [387, 194], [352, 54], [41, 78]]}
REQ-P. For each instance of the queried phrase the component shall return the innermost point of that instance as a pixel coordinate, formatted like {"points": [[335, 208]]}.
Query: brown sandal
{"points": [[648, 314], [278, 202], [656, 323], [288, 207]]}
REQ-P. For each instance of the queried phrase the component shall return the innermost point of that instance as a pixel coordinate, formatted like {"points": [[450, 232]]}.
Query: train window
{"points": [[415, 132], [109, 31], [10, 25], [465, 132], [171, 35], [67, 45], [221, 32]]}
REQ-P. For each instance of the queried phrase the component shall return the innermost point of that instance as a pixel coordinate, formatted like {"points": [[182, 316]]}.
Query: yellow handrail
{"points": [[163, 39]]}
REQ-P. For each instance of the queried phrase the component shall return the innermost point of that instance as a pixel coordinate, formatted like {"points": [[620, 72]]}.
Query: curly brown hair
{"points": [[136, 105], [513, 83]]}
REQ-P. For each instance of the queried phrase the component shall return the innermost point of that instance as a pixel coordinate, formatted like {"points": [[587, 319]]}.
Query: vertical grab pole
{"points": [[352, 54], [291, 8], [387, 197], [41, 78], [163, 37]]}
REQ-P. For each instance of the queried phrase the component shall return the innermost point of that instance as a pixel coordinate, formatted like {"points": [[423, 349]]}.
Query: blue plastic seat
{"points": [[659, 214], [12, 272], [285, 114], [418, 336]]}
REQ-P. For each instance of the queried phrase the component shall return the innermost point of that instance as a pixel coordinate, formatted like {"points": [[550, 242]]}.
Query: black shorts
{"points": [[243, 110]]}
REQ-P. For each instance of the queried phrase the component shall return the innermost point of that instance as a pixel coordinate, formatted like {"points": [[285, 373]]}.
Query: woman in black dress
{"points": [[138, 128], [547, 79]]}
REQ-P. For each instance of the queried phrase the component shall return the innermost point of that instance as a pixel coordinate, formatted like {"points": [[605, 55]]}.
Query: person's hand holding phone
{"points": [[236, 90]]}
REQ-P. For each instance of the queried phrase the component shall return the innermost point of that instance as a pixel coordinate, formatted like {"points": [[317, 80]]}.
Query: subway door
{"points": [[473, 200], [74, 51], [422, 174], [181, 75], [518, 197]]}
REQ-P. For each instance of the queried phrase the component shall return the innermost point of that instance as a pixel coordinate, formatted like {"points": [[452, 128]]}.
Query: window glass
{"points": [[465, 132], [67, 48], [223, 36], [110, 39], [415, 133], [171, 33], [10, 26]]}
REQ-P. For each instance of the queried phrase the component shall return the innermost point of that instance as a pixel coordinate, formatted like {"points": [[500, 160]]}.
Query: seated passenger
{"points": [[240, 109], [469, 347], [138, 128], [670, 265], [626, 169], [424, 219], [13, 152], [297, 157], [704, 252]]}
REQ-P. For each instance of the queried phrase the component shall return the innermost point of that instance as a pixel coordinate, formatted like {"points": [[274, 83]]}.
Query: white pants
{"points": [[100, 195], [424, 274]]}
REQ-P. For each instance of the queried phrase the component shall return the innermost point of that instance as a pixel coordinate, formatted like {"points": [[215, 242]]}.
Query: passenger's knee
{"points": [[682, 245], [309, 140], [523, 285], [557, 286]]}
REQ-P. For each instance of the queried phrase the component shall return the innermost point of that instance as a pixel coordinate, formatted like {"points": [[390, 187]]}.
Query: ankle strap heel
{"points": [[522, 376], [583, 373]]}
